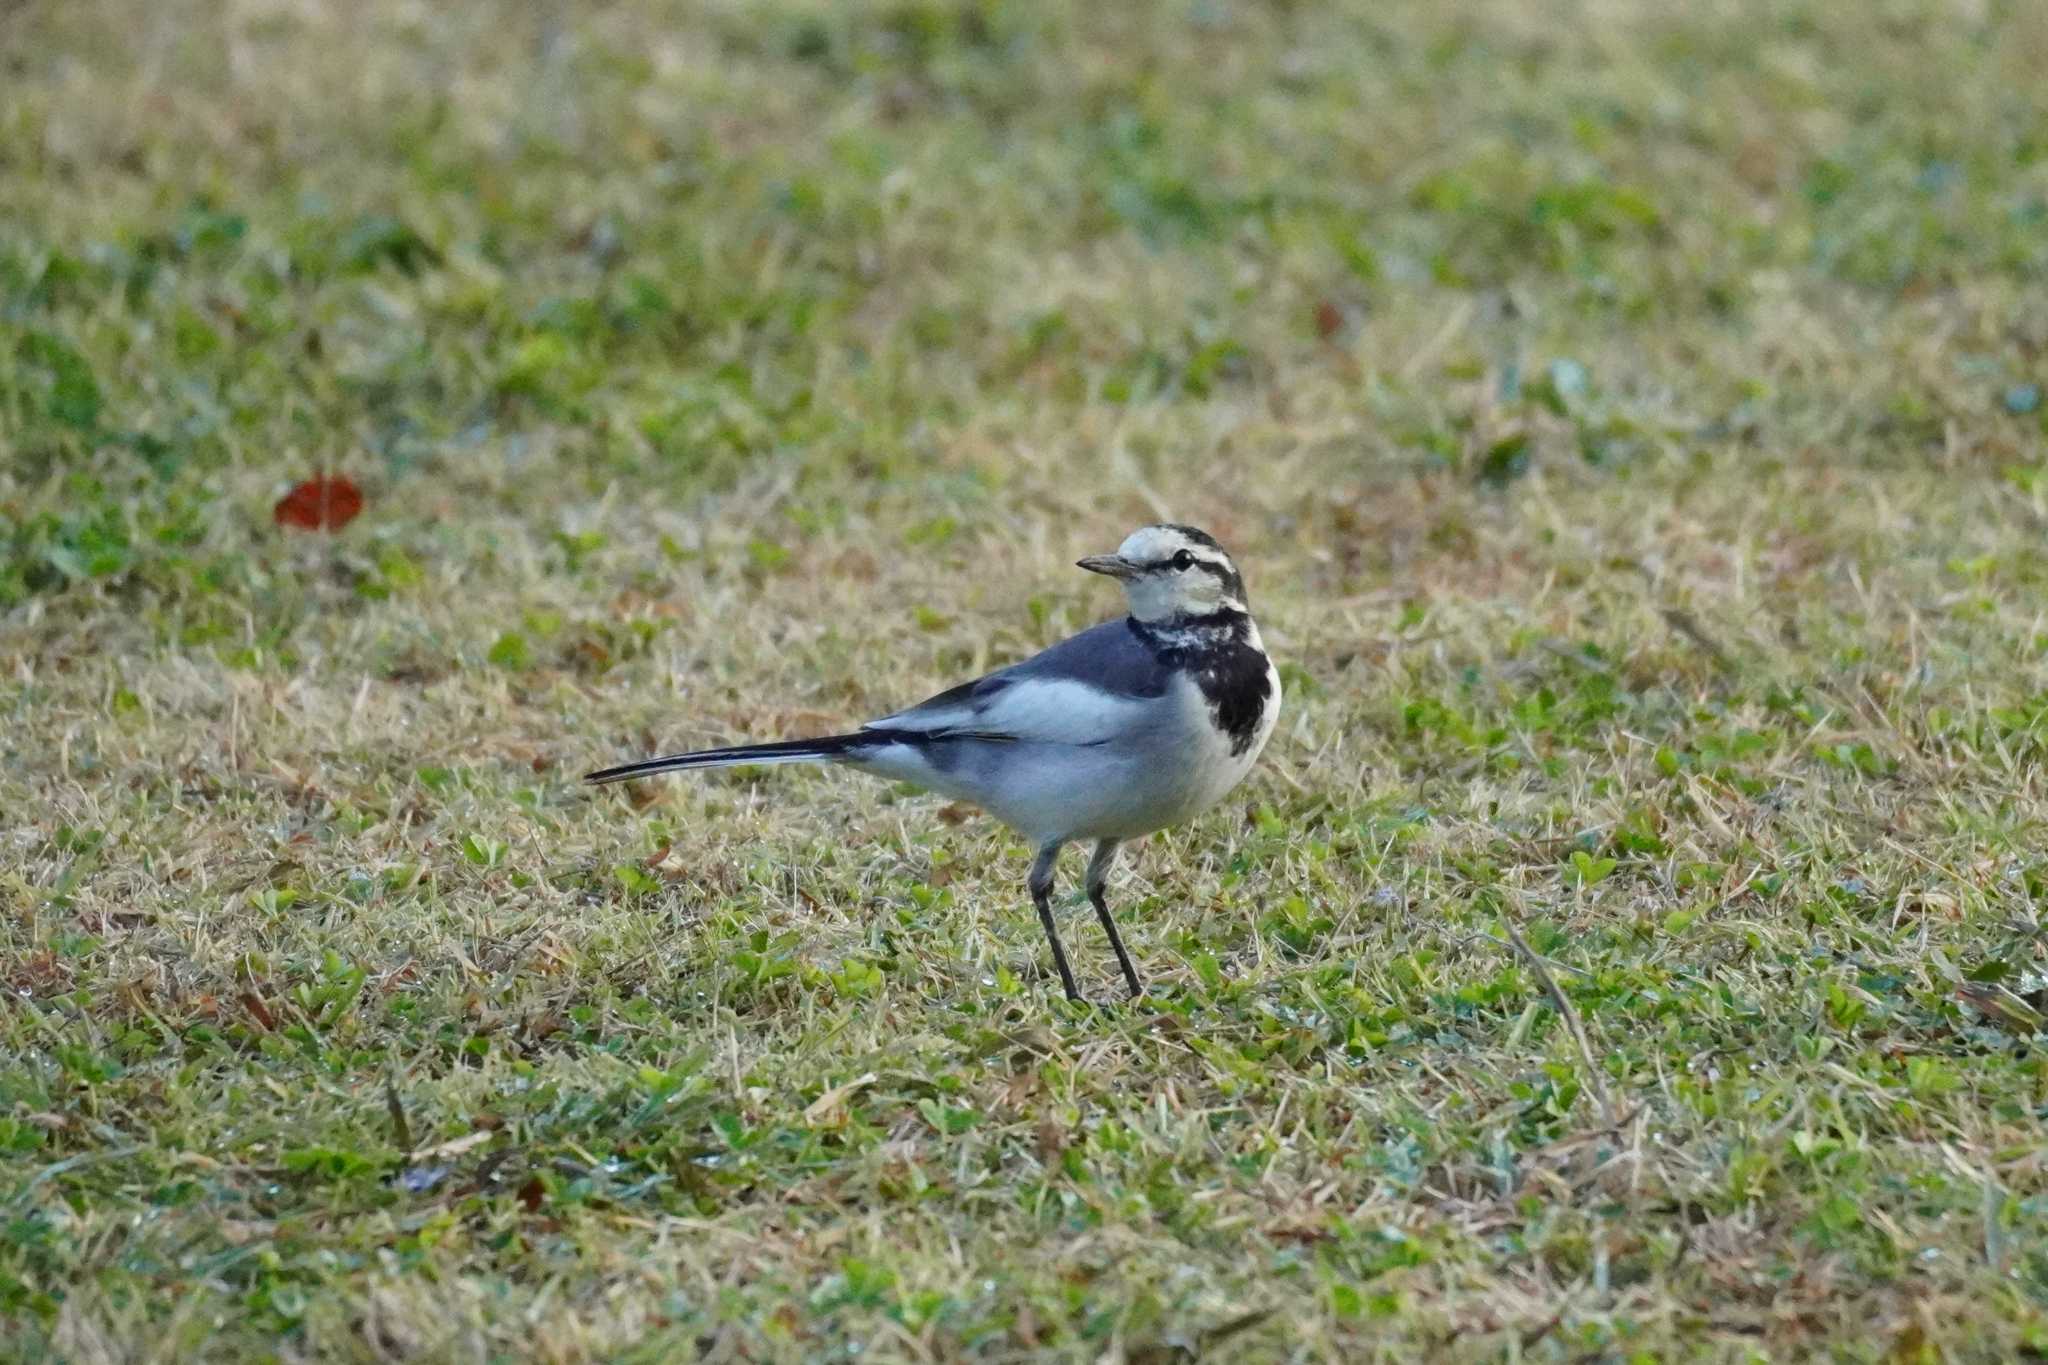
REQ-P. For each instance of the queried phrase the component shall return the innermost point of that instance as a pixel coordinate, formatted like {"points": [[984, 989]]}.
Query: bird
{"points": [[1126, 728]]}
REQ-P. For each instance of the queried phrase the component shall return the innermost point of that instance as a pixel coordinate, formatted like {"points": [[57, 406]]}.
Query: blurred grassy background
{"points": [[1629, 416]]}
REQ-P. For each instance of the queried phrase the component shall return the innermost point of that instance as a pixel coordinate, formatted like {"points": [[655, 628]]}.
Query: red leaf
{"points": [[1329, 319], [325, 502]]}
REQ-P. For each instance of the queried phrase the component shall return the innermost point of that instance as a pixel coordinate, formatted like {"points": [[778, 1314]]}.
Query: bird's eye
{"points": [[1183, 560]]}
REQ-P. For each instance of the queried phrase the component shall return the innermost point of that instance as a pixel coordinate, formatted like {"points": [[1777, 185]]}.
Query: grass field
{"points": [[1630, 418]]}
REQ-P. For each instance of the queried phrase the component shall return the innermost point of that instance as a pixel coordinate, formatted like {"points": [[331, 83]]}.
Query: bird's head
{"points": [[1172, 571]]}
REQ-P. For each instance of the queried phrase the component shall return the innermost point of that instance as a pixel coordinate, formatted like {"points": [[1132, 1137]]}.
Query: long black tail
{"points": [[822, 750]]}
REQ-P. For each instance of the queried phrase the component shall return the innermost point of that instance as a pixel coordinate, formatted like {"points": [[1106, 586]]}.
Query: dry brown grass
{"points": [[1624, 419]]}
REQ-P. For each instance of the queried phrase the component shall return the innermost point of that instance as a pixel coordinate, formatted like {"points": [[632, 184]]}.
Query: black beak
{"points": [[1116, 566]]}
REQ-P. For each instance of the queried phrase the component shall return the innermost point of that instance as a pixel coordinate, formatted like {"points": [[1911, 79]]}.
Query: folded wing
{"points": [[1085, 690]]}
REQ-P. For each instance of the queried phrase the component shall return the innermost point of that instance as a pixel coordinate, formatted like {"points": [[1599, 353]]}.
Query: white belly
{"points": [[1169, 767]]}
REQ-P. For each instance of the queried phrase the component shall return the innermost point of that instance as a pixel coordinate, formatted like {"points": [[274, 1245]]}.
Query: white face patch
{"points": [[1180, 576]]}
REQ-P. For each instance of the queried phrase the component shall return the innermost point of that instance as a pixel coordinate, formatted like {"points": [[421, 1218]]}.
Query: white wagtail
{"points": [[1121, 730]]}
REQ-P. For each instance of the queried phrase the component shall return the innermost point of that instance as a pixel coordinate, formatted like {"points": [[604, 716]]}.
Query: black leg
{"points": [[1098, 877], [1041, 896]]}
